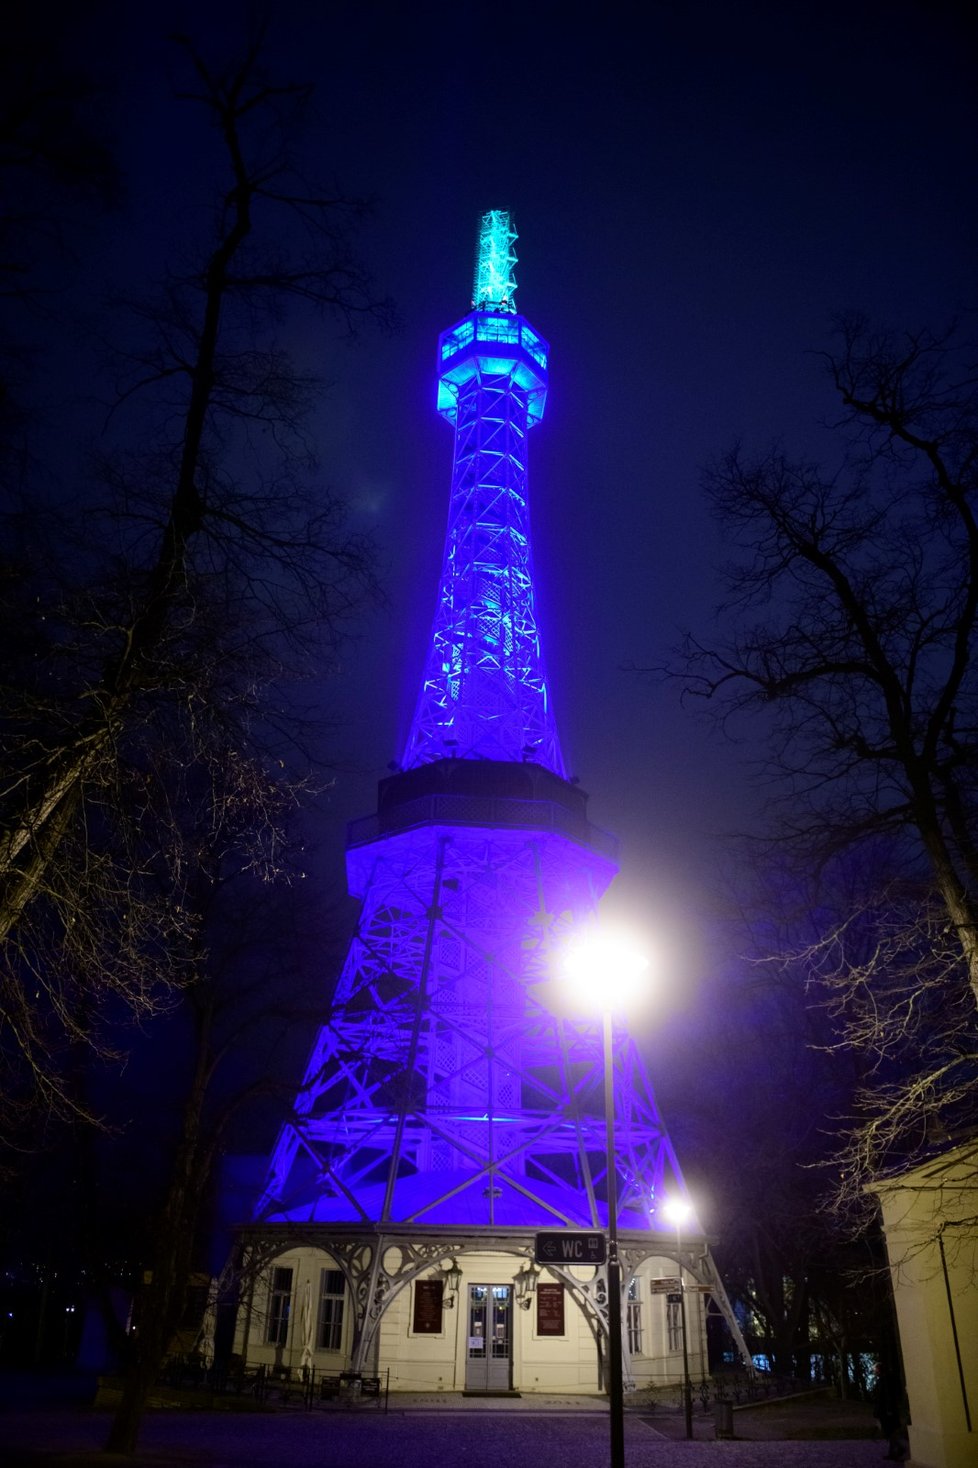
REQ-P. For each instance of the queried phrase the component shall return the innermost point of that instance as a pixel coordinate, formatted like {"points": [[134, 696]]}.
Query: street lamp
{"points": [[677, 1210], [605, 972]]}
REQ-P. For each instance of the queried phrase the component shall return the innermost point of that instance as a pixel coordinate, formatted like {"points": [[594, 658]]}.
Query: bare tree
{"points": [[747, 1125], [216, 573], [886, 965], [52, 146], [848, 638], [55, 167], [239, 1001]]}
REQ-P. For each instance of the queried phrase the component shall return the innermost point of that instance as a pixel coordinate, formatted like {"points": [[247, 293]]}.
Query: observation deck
{"points": [[484, 793], [494, 343]]}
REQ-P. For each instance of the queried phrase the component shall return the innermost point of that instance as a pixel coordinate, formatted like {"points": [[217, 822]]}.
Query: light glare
{"points": [[605, 970], [677, 1211]]}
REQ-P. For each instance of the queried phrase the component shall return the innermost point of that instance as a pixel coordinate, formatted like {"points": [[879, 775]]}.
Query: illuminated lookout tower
{"points": [[445, 1097], [484, 694]]}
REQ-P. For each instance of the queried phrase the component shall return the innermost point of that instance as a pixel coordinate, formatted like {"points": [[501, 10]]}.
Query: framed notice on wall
{"points": [[427, 1306], [550, 1309]]}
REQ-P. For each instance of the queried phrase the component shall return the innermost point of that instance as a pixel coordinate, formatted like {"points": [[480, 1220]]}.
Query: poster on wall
{"points": [[550, 1309]]}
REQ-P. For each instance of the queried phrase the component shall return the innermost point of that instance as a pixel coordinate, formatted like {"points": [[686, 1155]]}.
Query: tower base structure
{"points": [[452, 1111], [454, 1310]]}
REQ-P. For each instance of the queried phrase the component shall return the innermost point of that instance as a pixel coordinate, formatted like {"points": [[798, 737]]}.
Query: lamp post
{"points": [[677, 1210], [605, 966], [616, 1394]]}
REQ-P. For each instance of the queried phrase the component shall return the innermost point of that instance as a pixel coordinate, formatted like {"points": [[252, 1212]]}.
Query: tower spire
{"points": [[494, 288], [484, 693]]}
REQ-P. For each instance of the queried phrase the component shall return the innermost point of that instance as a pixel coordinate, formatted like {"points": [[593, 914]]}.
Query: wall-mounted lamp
{"points": [[452, 1280], [526, 1283]]}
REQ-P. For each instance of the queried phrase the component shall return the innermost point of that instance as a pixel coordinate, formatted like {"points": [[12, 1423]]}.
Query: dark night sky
{"points": [[698, 188]]}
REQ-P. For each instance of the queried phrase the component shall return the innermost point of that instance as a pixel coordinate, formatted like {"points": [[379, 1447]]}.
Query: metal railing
{"points": [[482, 810], [279, 1386]]}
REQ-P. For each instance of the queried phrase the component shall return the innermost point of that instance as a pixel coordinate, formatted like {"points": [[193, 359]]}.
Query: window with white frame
{"points": [[279, 1306], [674, 1323], [331, 1291], [634, 1319]]}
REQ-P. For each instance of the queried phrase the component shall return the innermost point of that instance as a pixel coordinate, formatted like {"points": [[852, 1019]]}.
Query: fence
{"points": [[279, 1386]]}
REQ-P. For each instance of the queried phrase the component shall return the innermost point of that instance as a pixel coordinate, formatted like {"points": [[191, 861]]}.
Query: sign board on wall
{"points": [[571, 1246], [550, 1309], [427, 1306]]}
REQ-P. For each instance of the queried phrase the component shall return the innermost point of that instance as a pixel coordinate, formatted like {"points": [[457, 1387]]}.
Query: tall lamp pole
{"points": [[600, 964], [616, 1394], [679, 1210]]}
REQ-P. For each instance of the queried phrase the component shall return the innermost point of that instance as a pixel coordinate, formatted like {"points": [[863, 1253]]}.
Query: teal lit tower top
{"points": [[484, 694], [494, 288]]}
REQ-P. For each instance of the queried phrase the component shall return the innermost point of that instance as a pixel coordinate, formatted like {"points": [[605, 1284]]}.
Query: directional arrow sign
{"points": [[569, 1247], [669, 1286]]}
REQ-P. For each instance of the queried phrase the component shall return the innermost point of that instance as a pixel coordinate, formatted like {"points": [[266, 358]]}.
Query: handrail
{"points": [[482, 810]]}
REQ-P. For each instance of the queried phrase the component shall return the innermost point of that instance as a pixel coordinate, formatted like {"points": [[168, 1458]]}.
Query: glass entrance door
{"points": [[488, 1364]]}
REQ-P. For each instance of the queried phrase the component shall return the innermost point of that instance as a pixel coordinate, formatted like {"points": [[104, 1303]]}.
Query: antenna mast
{"points": [[494, 288]]}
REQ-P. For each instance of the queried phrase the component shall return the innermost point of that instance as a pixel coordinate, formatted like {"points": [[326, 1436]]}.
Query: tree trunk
{"points": [[173, 1256], [957, 901]]}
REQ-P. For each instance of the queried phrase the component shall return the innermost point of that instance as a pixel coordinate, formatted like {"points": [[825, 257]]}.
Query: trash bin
{"points": [[723, 1419]]}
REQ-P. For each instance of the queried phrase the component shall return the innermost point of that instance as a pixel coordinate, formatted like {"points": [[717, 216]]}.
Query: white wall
{"points": [[929, 1217], [436, 1362]]}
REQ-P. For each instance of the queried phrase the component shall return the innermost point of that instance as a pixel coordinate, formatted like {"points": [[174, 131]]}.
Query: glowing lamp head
{"points": [[677, 1212], [604, 970]]}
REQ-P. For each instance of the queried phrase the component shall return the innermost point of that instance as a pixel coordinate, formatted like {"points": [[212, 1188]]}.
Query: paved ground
{"points": [[421, 1431]]}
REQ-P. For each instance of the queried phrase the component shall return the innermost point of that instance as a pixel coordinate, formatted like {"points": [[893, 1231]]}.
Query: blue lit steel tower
{"points": [[484, 695], [447, 1092]]}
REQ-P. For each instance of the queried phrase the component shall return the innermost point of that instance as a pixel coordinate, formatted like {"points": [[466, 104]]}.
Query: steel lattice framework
{"points": [[484, 692], [449, 1088], [494, 286]]}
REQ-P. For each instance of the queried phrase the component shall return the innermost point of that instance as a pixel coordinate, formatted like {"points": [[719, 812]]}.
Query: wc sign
{"points": [[570, 1247]]}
